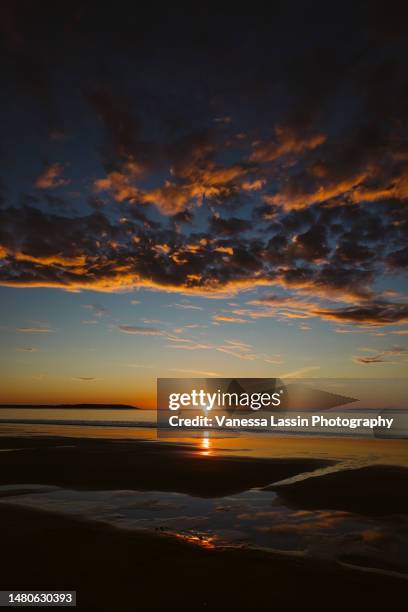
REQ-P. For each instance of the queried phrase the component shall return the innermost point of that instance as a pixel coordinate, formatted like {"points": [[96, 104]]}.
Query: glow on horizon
{"points": [[85, 357]]}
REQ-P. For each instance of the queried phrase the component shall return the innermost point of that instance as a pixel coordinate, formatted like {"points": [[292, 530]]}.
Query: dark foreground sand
{"points": [[372, 490], [107, 464], [117, 570]]}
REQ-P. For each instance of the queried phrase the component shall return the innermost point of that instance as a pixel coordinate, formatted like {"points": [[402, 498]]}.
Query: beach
{"points": [[54, 538], [114, 464], [113, 569]]}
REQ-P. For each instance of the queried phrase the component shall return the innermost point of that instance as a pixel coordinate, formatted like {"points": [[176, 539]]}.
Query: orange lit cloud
{"points": [[50, 178], [291, 199], [51, 260], [34, 330], [397, 188], [119, 184], [228, 319], [287, 142]]}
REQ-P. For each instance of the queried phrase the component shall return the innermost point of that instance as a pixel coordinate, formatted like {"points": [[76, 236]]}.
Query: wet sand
{"points": [[372, 490], [110, 464], [114, 569]]}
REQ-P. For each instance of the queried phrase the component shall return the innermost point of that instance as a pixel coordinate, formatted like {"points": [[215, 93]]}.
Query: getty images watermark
{"points": [[273, 405], [229, 400]]}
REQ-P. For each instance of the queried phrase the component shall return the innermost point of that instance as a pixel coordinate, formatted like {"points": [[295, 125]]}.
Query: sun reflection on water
{"points": [[205, 445]]}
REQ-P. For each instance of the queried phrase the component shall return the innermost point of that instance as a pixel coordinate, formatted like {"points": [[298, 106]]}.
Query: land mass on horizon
{"points": [[72, 406]]}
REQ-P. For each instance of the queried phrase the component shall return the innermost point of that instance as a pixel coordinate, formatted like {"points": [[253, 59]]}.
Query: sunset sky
{"points": [[200, 196]]}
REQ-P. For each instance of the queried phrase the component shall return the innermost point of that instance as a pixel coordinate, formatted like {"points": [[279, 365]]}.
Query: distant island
{"points": [[72, 406]]}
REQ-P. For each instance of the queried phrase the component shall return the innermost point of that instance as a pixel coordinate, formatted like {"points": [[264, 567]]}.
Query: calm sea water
{"points": [[141, 425]]}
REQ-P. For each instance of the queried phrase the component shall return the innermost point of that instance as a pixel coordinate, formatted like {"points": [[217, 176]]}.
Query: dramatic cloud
{"points": [[310, 254], [208, 167]]}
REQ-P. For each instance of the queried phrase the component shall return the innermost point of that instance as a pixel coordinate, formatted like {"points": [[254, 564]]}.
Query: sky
{"points": [[207, 195]]}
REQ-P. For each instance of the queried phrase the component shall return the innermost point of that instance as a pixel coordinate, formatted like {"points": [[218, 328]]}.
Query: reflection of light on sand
{"points": [[390, 452], [200, 540]]}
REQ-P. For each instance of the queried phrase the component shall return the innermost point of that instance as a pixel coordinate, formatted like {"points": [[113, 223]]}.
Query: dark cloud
{"points": [[124, 147], [143, 331], [314, 254], [398, 259], [375, 313], [395, 355], [228, 226], [27, 349], [367, 360], [185, 216]]}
